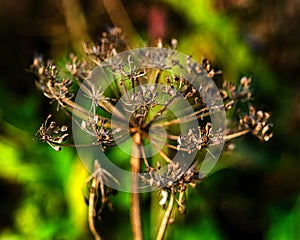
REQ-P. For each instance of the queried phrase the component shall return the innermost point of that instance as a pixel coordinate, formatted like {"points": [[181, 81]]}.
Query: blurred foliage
{"points": [[41, 190], [253, 192], [285, 225]]}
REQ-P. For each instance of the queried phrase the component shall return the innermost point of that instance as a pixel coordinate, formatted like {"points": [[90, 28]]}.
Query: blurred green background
{"points": [[253, 193]]}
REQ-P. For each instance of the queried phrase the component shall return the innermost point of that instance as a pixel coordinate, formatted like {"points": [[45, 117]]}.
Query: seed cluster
{"points": [[175, 177]]}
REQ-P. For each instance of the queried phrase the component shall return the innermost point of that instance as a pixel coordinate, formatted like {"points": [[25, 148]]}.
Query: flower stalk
{"points": [[135, 212], [166, 217]]}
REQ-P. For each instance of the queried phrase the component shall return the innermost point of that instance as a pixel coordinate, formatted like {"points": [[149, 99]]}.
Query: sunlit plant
{"points": [[141, 102]]}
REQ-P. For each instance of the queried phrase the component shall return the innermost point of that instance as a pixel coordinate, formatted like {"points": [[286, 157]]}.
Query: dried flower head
{"points": [[52, 134], [258, 123], [52, 85]]}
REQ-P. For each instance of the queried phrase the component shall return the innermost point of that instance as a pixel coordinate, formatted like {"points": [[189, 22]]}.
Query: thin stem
{"points": [[135, 211], [187, 118], [161, 152], [104, 103], [143, 154], [175, 148], [226, 138], [159, 113], [165, 221], [235, 135], [77, 109], [172, 137], [92, 212], [154, 77]]}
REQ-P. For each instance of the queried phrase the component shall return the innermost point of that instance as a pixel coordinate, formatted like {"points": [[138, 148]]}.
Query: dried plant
{"points": [[143, 109]]}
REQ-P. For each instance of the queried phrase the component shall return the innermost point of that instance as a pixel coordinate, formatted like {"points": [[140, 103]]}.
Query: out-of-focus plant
{"points": [[143, 106], [30, 182]]}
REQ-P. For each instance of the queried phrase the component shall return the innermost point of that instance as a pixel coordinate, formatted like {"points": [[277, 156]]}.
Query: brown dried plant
{"points": [[144, 108]]}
